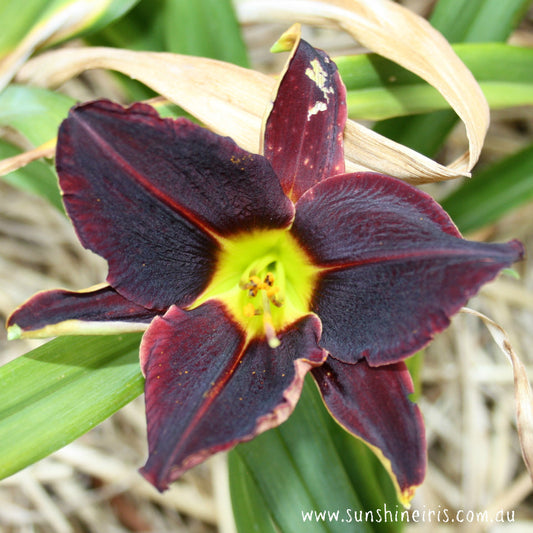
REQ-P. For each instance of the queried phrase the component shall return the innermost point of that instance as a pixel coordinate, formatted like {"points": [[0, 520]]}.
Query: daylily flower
{"points": [[247, 271]]}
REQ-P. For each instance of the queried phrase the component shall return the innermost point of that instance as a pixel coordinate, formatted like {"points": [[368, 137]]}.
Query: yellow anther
{"points": [[249, 310], [254, 285], [255, 280], [269, 279], [271, 291]]}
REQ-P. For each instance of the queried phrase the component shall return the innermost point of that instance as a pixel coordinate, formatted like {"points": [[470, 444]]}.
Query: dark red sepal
{"points": [[373, 404], [207, 388], [396, 269], [151, 195], [303, 132], [103, 304]]}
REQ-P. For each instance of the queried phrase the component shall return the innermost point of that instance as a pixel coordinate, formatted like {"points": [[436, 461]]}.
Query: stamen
{"points": [[254, 269], [254, 285], [269, 279], [270, 293]]}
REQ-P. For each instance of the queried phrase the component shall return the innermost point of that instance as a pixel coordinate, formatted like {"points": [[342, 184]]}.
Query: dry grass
{"points": [[92, 485]]}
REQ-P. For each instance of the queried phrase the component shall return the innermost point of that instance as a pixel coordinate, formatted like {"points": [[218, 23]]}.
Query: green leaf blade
{"points": [[478, 20], [207, 28], [253, 515], [34, 112], [70, 385], [492, 192], [308, 469], [16, 20], [379, 89]]}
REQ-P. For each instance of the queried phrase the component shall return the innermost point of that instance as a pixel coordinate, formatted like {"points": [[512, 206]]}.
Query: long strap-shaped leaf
{"points": [[57, 392], [303, 476], [378, 88], [483, 200], [228, 99], [53, 21]]}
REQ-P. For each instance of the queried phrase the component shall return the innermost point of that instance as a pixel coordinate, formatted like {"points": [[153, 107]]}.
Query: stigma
{"points": [[269, 293]]}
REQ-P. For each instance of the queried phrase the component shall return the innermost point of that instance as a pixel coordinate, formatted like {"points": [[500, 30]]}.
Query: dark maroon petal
{"points": [[48, 309], [208, 389], [303, 133], [396, 268], [151, 195], [373, 404]]}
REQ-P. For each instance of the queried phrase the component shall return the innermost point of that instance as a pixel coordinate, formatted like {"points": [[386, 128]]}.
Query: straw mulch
{"points": [[92, 484]]}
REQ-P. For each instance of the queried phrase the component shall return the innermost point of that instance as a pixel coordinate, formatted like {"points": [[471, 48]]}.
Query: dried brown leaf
{"points": [[364, 149], [394, 32], [18, 161], [228, 99], [523, 392]]}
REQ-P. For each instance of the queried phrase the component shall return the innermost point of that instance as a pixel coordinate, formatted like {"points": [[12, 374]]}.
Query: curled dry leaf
{"points": [[11, 164], [214, 91], [523, 393], [365, 149], [228, 99], [402, 36], [232, 100]]}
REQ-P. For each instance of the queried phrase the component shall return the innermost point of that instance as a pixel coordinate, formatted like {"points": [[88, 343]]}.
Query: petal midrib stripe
{"points": [[407, 255], [165, 199]]}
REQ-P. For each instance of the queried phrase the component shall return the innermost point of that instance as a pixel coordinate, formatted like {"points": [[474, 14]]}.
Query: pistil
{"points": [[268, 324]]}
